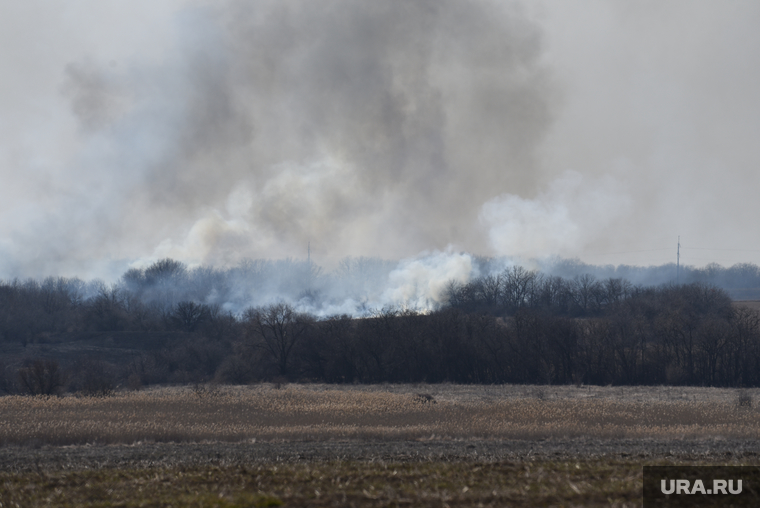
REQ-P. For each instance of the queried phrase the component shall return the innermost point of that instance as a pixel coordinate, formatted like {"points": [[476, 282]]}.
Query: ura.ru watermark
{"points": [[698, 487]]}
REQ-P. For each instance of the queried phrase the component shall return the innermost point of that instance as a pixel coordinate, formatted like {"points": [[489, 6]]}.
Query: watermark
{"points": [[698, 486]]}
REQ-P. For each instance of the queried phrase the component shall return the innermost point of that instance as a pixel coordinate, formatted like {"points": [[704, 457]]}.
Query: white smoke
{"points": [[572, 213], [215, 132], [271, 125], [247, 226], [419, 283]]}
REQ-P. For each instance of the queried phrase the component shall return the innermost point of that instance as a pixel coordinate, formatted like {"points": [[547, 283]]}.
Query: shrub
{"points": [[6, 383], [745, 398], [425, 398], [41, 377], [235, 371], [92, 378], [203, 391]]}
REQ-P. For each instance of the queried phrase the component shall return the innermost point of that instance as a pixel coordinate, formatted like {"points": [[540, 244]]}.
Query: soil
{"points": [[163, 455]]}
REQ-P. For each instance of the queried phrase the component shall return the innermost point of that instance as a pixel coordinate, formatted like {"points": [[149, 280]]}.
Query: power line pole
{"points": [[308, 252], [678, 261]]}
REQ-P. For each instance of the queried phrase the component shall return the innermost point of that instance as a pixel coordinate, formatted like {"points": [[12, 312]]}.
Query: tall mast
{"points": [[678, 261]]}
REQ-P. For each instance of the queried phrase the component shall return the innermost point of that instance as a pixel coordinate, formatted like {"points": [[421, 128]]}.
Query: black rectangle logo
{"points": [[698, 486]]}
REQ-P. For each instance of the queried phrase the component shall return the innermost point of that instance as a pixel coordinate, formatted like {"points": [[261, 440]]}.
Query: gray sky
{"points": [[212, 132]]}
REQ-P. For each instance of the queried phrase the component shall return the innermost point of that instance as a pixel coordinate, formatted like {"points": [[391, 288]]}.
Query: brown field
{"points": [[321, 412], [324, 445]]}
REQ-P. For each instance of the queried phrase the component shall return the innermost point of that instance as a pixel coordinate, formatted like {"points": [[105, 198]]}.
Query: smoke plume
{"points": [[356, 127], [215, 132]]}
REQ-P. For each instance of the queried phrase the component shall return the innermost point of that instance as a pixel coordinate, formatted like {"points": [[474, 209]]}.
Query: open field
{"points": [[321, 445], [578, 472], [585, 483], [322, 412]]}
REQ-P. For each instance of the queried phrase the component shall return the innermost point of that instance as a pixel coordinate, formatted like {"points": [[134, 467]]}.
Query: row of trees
{"points": [[31, 311], [505, 293], [515, 326], [143, 299], [670, 335], [161, 299]]}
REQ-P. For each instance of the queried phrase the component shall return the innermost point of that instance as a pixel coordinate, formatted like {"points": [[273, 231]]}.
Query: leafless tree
{"points": [[586, 290], [616, 290], [189, 315], [276, 328], [490, 288], [41, 377], [166, 272], [518, 284]]}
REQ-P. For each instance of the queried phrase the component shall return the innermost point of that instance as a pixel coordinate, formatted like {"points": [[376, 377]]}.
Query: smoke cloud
{"points": [[563, 219], [218, 132], [356, 127]]}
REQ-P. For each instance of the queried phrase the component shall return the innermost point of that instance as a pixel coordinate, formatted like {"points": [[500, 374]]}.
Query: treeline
{"points": [[356, 286], [507, 292], [689, 334], [515, 326], [741, 280]]}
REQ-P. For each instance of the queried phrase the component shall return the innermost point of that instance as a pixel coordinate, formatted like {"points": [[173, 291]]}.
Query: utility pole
{"points": [[678, 261], [308, 252]]}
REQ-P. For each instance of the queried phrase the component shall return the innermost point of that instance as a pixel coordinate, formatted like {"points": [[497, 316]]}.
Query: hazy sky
{"points": [[210, 132]]}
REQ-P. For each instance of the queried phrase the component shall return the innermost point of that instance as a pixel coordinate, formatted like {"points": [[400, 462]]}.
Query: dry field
{"points": [[335, 484], [320, 412], [326, 445]]}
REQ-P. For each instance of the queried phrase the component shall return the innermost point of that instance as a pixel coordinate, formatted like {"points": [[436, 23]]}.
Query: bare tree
{"points": [[491, 288], [517, 286], [276, 328], [165, 281], [616, 290], [189, 315], [6, 384], [586, 290], [106, 310], [165, 272], [41, 377]]}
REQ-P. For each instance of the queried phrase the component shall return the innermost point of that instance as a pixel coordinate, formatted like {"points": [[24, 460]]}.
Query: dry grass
{"points": [[325, 413], [322, 412], [584, 483]]}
